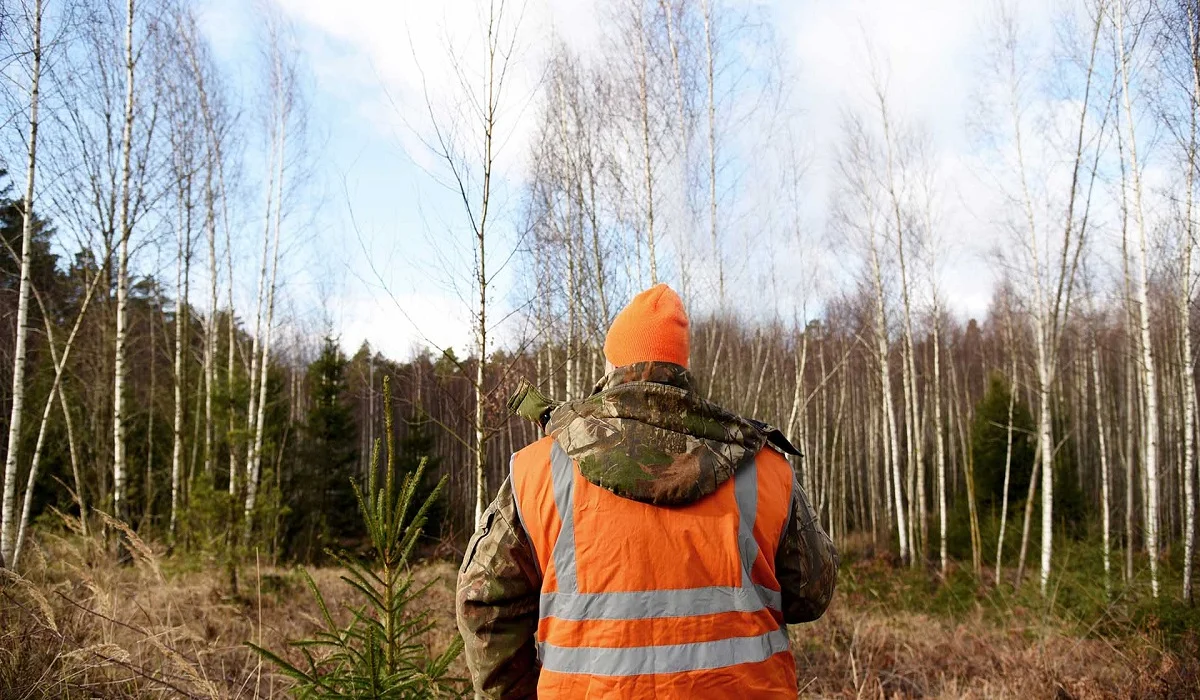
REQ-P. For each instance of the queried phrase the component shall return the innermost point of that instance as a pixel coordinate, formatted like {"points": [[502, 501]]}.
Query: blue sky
{"points": [[388, 256]]}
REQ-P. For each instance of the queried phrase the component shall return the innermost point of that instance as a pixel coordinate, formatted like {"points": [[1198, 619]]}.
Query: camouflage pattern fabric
{"points": [[642, 434], [530, 404], [497, 604], [806, 564], [645, 435]]}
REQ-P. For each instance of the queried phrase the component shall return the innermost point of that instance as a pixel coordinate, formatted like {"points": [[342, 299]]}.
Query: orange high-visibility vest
{"points": [[645, 601]]}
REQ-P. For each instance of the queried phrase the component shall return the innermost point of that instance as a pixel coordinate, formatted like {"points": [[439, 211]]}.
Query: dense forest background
{"points": [[140, 185]]}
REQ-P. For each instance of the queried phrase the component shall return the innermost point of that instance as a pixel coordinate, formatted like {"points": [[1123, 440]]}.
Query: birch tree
{"points": [[59, 365], [1148, 375], [16, 415], [1008, 449], [1050, 265], [1179, 66], [912, 420], [1101, 430], [187, 162], [124, 230], [282, 81], [470, 158], [857, 165], [1192, 18]]}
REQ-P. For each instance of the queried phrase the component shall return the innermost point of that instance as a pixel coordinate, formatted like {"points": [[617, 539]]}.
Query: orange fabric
{"points": [[613, 536], [775, 478], [773, 679], [656, 631], [652, 328], [535, 493], [623, 545]]}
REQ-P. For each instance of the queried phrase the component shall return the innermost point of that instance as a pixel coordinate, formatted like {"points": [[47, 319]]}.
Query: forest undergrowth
{"points": [[77, 624]]}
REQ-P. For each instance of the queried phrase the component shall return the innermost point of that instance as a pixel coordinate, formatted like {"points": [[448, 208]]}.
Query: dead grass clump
{"points": [[77, 625], [868, 654]]}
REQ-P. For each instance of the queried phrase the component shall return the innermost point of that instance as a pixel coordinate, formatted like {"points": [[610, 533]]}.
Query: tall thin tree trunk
{"points": [[644, 116], [16, 415], [210, 330], [1101, 429], [1027, 523], [230, 376], [1008, 444], [147, 518], [73, 447], [1185, 304], [182, 313], [1041, 332], [889, 417], [256, 367], [479, 448], [963, 412], [683, 245], [939, 432], [254, 465], [710, 82], [123, 225], [59, 367], [1149, 385]]}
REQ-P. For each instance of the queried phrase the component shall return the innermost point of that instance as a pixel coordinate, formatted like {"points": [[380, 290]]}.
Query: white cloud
{"points": [[374, 61], [397, 325]]}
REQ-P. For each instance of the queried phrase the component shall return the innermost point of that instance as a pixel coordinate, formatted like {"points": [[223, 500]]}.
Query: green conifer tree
{"points": [[380, 653], [320, 498]]}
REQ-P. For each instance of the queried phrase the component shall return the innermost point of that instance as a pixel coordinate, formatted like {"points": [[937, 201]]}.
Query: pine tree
{"points": [[381, 653], [415, 450], [989, 444], [321, 498]]}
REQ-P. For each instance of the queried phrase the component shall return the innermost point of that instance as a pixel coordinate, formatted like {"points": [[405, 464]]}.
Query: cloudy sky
{"points": [[388, 262]]}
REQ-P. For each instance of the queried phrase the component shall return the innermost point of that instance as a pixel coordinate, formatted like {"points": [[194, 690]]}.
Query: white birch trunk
{"points": [[182, 278], [231, 333], [644, 117], [1041, 331], [479, 451], [252, 407], [1101, 429], [712, 150], [210, 330], [123, 225], [939, 433], [1185, 303], [1045, 431], [73, 447], [889, 417], [59, 365], [912, 419], [1008, 446], [254, 465], [1150, 443], [8, 509]]}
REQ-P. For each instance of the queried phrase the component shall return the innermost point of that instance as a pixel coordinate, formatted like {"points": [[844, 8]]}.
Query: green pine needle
{"points": [[380, 653]]}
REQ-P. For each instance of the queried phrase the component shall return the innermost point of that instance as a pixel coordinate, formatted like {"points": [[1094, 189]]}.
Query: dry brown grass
{"points": [[78, 625], [865, 654]]}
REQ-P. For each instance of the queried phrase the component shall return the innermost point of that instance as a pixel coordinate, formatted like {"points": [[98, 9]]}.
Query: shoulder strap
{"points": [[776, 437], [530, 404]]}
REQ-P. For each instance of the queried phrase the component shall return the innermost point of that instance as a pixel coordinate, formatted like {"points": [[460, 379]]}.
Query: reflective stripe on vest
{"points": [[567, 603]]}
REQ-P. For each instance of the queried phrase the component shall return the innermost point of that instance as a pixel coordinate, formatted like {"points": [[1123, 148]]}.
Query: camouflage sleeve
{"points": [[806, 563], [497, 604]]}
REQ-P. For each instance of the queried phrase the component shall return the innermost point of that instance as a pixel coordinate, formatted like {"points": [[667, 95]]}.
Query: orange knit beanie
{"points": [[653, 328]]}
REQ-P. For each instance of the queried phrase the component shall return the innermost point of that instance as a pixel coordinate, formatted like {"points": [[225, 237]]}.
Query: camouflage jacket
{"points": [[642, 434]]}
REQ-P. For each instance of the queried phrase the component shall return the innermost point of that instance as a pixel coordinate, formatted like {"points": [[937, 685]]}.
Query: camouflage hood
{"points": [[644, 434]]}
